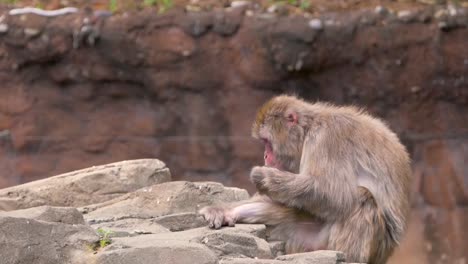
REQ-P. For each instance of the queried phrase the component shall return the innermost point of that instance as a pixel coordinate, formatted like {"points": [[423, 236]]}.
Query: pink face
{"points": [[270, 159]]}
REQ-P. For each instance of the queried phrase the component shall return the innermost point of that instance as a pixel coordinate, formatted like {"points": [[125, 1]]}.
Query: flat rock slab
{"points": [[234, 242], [88, 186], [26, 241], [180, 221], [66, 215], [315, 257], [177, 252], [250, 261], [131, 227], [163, 199]]}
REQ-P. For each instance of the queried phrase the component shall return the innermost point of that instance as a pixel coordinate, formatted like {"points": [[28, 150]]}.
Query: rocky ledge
{"points": [[130, 212]]}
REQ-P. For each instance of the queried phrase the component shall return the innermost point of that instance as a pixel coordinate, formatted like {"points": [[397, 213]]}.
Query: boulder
{"points": [[163, 252], [181, 221], [154, 224], [226, 242], [26, 241], [315, 257], [131, 227], [163, 199], [250, 261], [87, 186], [66, 215]]}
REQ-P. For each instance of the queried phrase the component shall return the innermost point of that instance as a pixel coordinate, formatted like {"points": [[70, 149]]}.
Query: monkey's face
{"points": [[283, 139]]}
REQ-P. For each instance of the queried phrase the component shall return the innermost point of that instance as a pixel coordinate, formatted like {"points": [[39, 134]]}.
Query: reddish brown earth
{"points": [[184, 87]]}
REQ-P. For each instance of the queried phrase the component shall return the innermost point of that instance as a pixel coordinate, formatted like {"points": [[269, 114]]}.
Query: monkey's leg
{"points": [[363, 236], [259, 209], [321, 196]]}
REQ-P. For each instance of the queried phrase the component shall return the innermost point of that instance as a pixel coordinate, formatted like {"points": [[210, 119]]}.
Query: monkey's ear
{"points": [[291, 117]]}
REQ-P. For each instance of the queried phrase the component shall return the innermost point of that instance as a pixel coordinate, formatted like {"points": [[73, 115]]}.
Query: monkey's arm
{"points": [[258, 209], [318, 195]]}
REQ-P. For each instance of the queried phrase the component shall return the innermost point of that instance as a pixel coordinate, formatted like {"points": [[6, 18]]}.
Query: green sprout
{"points": [[164, 5], [113, 5], [104, 235], [149, 2]]}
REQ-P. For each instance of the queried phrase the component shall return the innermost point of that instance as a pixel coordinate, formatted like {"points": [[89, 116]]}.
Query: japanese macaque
{"points": [[334, 178]]}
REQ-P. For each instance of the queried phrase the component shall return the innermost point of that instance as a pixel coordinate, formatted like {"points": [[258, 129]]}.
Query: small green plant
{"points": [[305, 4], [40, 5], [8, 2], [164, 5], [149, 2], [113, 5], [104, 235], [302, 4]]}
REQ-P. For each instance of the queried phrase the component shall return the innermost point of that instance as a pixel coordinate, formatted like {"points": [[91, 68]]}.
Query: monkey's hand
{"points": [[218, 216], [263, 178], [271, 182]]}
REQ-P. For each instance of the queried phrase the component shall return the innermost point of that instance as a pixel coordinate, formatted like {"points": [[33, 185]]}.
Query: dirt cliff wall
{"points": [[184, 88]]}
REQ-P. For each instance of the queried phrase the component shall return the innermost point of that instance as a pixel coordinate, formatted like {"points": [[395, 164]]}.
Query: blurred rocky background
{"points": [[181, 81]]}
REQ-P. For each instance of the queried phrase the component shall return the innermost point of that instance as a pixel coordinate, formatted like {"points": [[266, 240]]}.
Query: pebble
{"points": [[272, 9], [31, 32], [192, 8], [3, 28], [316, 24], [442, 25], [452, 10], [380, 10], [298, 65], [404, 14], [239, 3], [440, 13], [415, 89], [330, 22]]}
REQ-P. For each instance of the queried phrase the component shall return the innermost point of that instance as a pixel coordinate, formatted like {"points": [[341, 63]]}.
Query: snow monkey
{"points": [[334, 178]]}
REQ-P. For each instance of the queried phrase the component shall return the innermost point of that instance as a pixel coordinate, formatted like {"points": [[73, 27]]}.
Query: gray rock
{"points": [[315, 257], [277, 248], [87, 186], [234, 244], [316, 24], [197, 23], [132, 227], [3, 28], [253, 229], [170, 251], [233, 241], [180, 222], [66, 215], [407, 16], [250, 261], [31, 32], [164, 199], [26, 241], [240, 3], [226, 23]]}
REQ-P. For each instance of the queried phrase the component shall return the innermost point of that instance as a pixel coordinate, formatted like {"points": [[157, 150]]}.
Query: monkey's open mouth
{"points": [[268, 155]]}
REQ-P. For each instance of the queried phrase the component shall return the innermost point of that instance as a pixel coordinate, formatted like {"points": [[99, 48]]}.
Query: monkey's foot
{"points": [[218, 217]]}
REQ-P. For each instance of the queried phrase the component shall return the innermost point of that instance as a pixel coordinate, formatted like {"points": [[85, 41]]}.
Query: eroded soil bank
{"points": [[183, 87]]}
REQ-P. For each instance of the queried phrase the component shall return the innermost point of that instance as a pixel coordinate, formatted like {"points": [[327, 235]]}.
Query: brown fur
{"points": [[342, 182]]}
